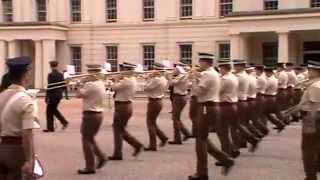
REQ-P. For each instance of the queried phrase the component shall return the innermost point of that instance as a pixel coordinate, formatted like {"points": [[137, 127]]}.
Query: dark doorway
{"points": [[270, 53], [311, 51]]}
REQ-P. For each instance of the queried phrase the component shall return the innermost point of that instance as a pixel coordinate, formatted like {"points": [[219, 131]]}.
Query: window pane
{"points": [[76, 58], [270, 53], [148, 8], [112, 57], [148, 56], [186, 8], [224, 51], [226, 7], [7, 10], [76, 10], [186, 53], [111, 10], [42, 10], [315, 3], [270, 4]]}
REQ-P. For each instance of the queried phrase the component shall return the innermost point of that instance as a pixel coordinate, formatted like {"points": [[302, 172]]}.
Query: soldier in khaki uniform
{"points": [[93, 95], [155, 89], [282, 96], [125, 90], [180, 85], [207, 92], [17, 116], [310, 106]]}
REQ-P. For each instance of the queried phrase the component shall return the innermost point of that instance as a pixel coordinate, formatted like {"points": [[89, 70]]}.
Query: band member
{"points": [[18, 113], [125, 90], [207, 93], [155, 89], [53, 98], [282, 91], [271, 109], [180, 85], [93, 95], [243, 108], [309, 105]]}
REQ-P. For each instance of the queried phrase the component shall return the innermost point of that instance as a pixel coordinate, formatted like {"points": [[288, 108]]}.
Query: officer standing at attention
{"points": [[17, 116], [53, 98], [93, 95], [310, 107], [207, 92], [155, 89], [125, 90]]}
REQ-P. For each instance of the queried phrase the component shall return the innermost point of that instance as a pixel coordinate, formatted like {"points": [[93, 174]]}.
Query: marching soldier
{"points": [[125, 90], [310, 106], [207, 93], [282, 90], [180, 85], [261, 89], [93, 95], [18, 113], [155, 89], [53, 98]]}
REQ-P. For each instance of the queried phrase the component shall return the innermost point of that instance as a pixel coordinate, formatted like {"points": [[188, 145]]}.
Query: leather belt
{"points": [[123, 102], [155, 99], [209, 103], [10, 140], [226, 103]]}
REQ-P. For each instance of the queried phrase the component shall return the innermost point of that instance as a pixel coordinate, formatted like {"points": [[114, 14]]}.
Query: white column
{"points": [[52, 10], [235, 44], [283, 51], [49, 54], [17, 10], [2, 57], [12, 49], [38, 79]]}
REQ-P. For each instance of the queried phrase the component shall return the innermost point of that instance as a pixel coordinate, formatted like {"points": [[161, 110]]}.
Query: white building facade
{"points": [[147, 31]]}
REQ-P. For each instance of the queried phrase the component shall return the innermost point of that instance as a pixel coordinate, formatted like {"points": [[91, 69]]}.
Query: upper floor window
{"points": [[186, 53], [148, 10], [226, 7], [112, 57], [148, 56], [270, 4], [186, 8], [76, 58], [41, 10], [7, 10], [111, 10], [76, 10], [224, 51], [315, 3]]}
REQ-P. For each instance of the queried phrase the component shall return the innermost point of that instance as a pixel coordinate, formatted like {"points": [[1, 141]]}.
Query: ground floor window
{"points": [[186, 53], [270, 53], [224, 51], [148, 56], [76, 58], [112, 57]]}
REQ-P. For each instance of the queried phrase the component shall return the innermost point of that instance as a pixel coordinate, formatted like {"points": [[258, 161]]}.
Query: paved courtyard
{"points": [[277, 159]]}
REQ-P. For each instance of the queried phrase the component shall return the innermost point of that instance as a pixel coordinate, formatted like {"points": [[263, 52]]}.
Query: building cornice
{"points": [[33, 26]]}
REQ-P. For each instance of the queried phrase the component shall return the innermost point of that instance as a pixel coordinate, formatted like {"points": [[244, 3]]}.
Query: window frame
{"points": [[269, 7], [78, 66], [114, 60], [186, 60], [76, 13], [42, 11], [111, 9], [224, 8], [7, 12], [148, 60], [149, 7], [181, 10], [314, 3], [222, 52]]}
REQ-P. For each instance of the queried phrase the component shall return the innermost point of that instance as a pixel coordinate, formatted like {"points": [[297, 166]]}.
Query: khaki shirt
{"points": [[252, 90], [243, 88], [261, 83], [272, 86], [292, 78], [156, 87], [283, 80], [94, 95], [180, 84], [229, 88], [310, 102], [125, 89], [209, 86], [20, 116]]}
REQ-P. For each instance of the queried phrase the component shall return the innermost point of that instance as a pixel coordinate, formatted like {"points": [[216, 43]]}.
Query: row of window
{"points": [[186, 9], [149, 55]]}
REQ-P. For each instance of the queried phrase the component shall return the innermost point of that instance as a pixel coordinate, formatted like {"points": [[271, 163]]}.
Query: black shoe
{"points": [[186, 138], [114, 158], [195, 177], [254, 147], [279, 129], [137, 151], [101, 163], [235, 154], [65, 126], [47, 130], [85, 171], [227, 167], [175, 143], [150, 149], [219, 163], [163, 143]]}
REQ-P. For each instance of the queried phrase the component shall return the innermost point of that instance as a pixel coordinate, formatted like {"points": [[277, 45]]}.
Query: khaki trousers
{"points": [[193, 112], [91, 122], [310, 154], [153, 110], [206, 115], [122, 114], [11, 162], [179, 102]]}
